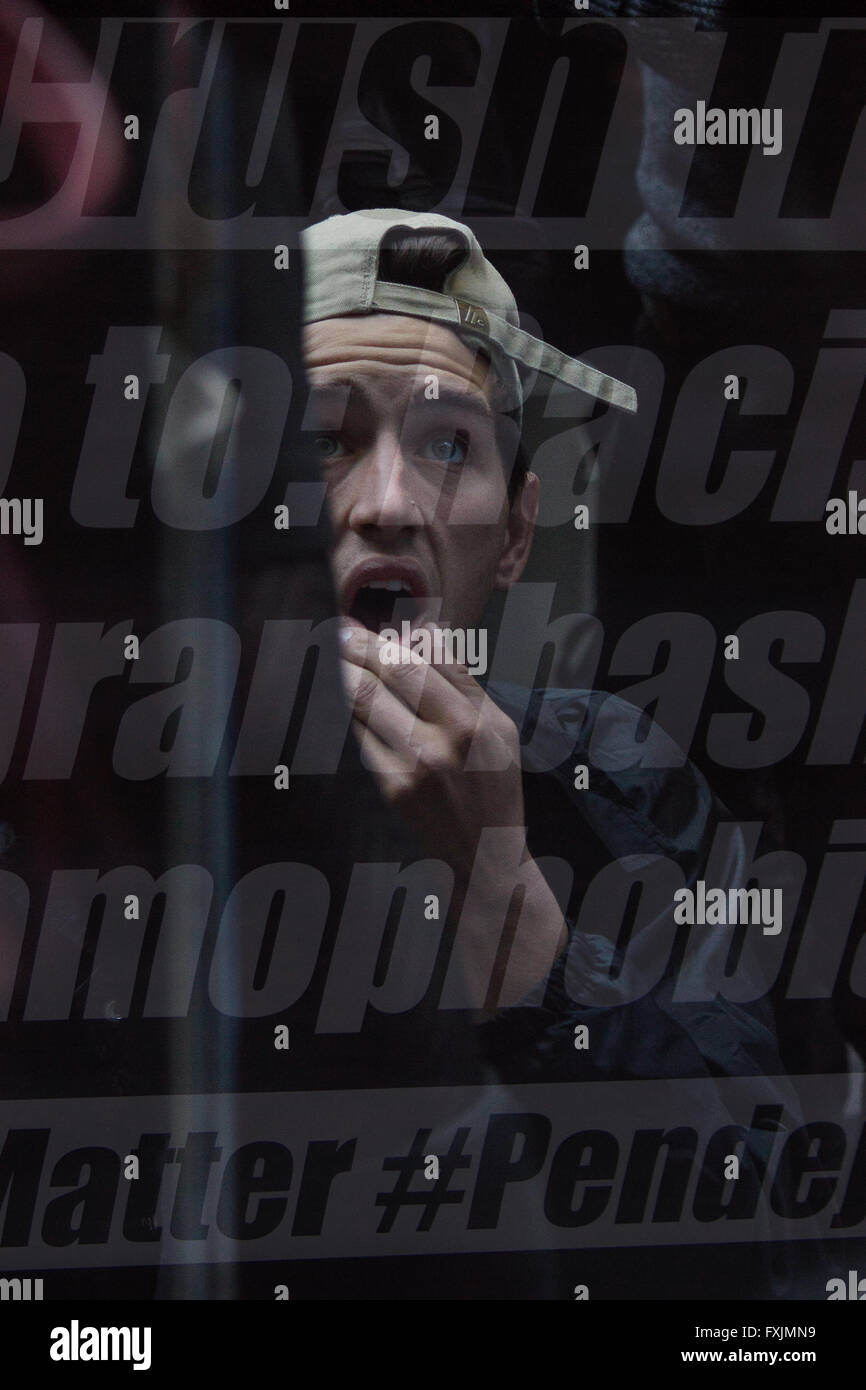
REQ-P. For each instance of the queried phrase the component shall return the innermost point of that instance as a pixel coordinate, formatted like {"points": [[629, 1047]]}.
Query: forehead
{"points": [[393, 346]]}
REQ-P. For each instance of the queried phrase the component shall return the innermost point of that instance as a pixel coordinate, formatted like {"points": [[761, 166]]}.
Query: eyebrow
{"points": [[450, 397], [471, 401]]}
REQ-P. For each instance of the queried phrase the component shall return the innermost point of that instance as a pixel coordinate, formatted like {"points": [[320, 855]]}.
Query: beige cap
{"points": [[341, 259]]}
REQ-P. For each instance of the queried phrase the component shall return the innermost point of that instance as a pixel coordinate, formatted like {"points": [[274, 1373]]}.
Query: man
{"points": [[421, 505], [414, 360], [416, 370]]}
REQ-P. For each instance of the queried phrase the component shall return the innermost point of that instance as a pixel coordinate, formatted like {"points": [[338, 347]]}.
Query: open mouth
{"points": [[382, 602]]}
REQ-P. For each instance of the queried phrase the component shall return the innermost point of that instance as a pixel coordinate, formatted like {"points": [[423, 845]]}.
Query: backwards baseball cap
{"points": [[341, 258]]}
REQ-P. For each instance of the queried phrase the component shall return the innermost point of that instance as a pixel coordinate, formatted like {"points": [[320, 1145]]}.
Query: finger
{"points": [[385, 765], [418, 684], [494, 747], [481, 732], [456, 673], [378, 708], [447, 697]]}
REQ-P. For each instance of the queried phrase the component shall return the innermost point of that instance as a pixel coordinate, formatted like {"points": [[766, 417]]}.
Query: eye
{"points": [[328, 446], [447, 448]]}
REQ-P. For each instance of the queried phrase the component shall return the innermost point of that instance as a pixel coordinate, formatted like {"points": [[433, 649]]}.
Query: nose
{"points": [[384, 489]]}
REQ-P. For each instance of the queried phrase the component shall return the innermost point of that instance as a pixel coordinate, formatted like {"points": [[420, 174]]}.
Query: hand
{"points": [[443, 753], [446, 756]]}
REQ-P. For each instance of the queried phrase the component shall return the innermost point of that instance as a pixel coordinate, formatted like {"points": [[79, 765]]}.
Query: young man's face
{"points": [[416, 486]]}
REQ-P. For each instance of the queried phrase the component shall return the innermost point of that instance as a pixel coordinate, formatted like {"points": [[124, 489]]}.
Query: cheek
{"points": [[474, 534], [471, 559], [476, 500], [338, 499]]}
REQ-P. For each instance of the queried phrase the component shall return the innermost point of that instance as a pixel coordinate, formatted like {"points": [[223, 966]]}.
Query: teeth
{"points": [[393, 585]]}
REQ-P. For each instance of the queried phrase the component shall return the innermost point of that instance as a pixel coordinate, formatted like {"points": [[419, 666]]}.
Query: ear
{"points": [[518, 535]]}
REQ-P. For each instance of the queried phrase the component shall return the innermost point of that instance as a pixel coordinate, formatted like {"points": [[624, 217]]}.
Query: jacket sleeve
{"points": [[657, 809]]}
